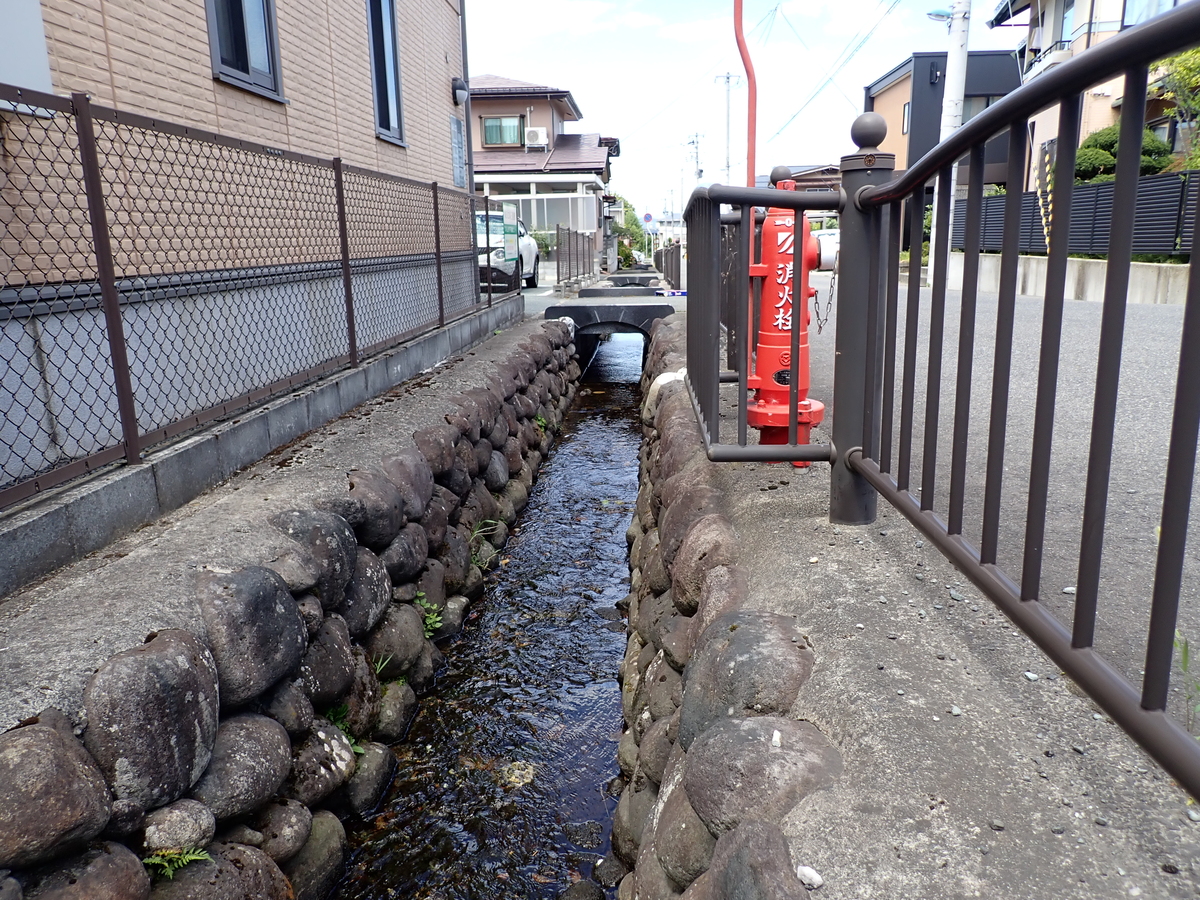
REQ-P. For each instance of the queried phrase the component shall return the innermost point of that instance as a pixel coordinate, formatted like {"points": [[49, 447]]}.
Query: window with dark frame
{"points": [[458, 151], [503, 131], [385, 69], [905, 120], [245, 45]]}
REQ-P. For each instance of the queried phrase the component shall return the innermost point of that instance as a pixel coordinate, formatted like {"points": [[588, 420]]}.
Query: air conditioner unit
{"points": [[537, 137]]}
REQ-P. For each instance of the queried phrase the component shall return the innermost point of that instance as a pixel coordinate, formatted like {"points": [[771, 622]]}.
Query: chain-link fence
{"points": [[154, 277]]}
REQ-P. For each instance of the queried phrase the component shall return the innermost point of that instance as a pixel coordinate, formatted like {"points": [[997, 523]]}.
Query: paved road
{"points": [[1139, 464]]}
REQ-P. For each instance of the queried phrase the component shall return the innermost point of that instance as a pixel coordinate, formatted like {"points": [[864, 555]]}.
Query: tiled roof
{"points": [[496, 84], [488, 87], [571, 153]]}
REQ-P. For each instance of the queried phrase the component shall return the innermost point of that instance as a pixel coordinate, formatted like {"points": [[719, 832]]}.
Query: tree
{"points": [[632, 226], [1097, 155], [1181, 85], [1092, 161]]}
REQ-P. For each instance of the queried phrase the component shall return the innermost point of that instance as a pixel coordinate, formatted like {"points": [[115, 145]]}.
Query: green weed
{"points": [[337, 717], [1191, 685], [165, 863], [487, 529], [432, 618]]}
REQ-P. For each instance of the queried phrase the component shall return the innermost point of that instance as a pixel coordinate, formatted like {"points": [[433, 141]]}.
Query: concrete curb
{"points": [[86, 516], [713, 762]]}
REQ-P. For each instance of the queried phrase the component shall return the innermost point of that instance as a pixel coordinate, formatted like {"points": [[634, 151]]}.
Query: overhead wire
{"points": [[804, 44], [847, 54]]}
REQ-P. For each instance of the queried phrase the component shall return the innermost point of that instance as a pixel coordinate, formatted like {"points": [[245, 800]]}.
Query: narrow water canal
{"points": [[504, 778]]}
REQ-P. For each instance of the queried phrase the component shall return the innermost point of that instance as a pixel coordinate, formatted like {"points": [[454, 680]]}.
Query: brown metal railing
{"points": [[872, 453], [574, 254], [888, 434], [154, 277], [724, 245], [669, 261]]}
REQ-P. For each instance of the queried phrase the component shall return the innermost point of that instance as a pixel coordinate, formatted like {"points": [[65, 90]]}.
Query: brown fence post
{"points": [[347, 284], [487, 237], [106, 275], [437, 253], [475, 245]]}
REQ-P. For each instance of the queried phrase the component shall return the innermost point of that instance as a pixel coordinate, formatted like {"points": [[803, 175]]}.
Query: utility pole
{"points": [[728, 78], [952, 98], [694, 143]]}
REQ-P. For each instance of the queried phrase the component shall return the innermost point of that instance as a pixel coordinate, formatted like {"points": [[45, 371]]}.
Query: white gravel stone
{"points": [[809, 877]]}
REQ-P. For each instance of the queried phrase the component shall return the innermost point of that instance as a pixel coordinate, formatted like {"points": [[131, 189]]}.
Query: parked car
{"points": [[506, 274]]}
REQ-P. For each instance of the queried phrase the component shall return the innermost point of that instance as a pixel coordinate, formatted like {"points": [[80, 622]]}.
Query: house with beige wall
{"points": [[369, 81], [1058, 30], [909, 97], [205, 204], [523, 154]]}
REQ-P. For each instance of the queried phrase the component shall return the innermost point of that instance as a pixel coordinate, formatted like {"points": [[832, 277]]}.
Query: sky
{"points": [[652, 75]]}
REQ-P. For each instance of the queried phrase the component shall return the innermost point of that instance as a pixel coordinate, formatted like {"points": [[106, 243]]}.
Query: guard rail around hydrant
{"points": [[879, 441]]}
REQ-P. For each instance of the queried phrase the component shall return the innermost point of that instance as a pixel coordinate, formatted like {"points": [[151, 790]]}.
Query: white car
{"points": [[505, 274]]}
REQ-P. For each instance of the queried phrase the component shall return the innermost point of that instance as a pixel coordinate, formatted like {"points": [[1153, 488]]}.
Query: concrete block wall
{"points": [[712, 760], [1148, 282], [54, 532]]}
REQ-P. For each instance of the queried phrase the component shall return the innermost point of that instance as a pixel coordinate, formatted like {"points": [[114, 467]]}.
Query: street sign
{"points": [[647, 218]]}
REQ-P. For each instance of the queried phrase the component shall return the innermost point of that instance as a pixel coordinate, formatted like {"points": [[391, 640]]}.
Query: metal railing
{"points": [[1056, 47], [884, 427], [875, 454], [154, 277], [574, 254], [669, 262], [720, 293]]}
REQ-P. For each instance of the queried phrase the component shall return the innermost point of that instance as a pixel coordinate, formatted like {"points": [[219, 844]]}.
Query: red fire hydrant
{"points": [[784, 305]]}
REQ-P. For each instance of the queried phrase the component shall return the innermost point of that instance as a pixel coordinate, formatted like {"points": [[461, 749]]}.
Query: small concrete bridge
{"points": [[616, 312]]}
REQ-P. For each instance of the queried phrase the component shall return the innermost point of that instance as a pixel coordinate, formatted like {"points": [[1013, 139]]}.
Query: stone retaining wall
{"points": [[254, 733], [711, 757]]}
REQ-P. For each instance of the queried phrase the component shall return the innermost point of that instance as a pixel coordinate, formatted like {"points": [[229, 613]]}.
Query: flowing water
{"points": [[504, 784]]}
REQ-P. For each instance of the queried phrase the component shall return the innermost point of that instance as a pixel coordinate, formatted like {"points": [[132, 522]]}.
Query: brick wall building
{"points": [[328, 63]]}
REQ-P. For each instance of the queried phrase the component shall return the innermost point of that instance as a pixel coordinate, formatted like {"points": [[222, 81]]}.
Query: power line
{"points": [[853, 105], [843, 59], [656, 117]]}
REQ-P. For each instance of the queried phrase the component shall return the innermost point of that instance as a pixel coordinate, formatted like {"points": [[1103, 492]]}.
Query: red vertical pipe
{"points": [[752, 99]]}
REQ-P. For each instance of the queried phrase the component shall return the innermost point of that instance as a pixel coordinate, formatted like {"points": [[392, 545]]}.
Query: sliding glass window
{"points": [[244, 44], [385, 68]]}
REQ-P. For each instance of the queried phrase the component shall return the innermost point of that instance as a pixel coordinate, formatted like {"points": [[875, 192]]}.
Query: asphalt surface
{"points": [[973, 767]]}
